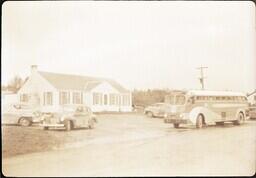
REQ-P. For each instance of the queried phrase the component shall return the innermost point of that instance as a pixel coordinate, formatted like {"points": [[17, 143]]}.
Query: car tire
{"points": [[91, 124], [199, 121], [150, 114], [176, 125], [67, 125], [239, 120], [46, 128], [25, 122]]}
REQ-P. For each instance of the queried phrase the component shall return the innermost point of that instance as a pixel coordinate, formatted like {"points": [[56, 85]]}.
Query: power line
{"points": [[201, 79]]}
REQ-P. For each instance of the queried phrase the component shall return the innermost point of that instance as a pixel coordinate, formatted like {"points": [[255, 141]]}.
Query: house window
{"points": [[77, 98], [97, 98], [114, 99], [126, 100], [24, 98], [47, 98], [64, 97]]}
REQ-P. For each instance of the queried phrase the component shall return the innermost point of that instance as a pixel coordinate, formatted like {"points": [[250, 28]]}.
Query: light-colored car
{"points": [[157, 110], [252, 112], [70, 117], [22, 114]]}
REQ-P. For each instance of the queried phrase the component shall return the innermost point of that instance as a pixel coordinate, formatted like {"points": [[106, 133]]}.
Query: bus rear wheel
{"points": [[199, 121], [240, 119], [176, 125]]}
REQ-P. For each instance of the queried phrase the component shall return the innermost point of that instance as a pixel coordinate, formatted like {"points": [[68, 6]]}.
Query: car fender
{"points": [[68, 117]]}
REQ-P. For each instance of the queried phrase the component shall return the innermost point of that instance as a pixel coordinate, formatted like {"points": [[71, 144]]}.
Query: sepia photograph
{"points": [[128, 88]]}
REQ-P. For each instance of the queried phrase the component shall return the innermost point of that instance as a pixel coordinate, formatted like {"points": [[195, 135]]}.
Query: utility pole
{"points": [[201, 79]]}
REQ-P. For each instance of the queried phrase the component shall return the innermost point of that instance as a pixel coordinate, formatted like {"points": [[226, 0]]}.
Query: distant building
{"points": [[50, 91], [252, 98]]}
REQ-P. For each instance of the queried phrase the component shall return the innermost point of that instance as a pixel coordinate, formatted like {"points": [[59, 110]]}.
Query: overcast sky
{"points": [[139, 44]]}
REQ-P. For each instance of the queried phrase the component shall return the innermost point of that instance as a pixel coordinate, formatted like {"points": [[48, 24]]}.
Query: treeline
{"points": [[147, 97]]}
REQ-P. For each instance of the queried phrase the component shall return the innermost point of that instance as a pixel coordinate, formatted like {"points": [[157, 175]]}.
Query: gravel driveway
{"points": [[133, 145]]}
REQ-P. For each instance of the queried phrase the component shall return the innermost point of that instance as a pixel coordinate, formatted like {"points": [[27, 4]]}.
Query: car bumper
{"points": [[52, 125], [176, 121]]}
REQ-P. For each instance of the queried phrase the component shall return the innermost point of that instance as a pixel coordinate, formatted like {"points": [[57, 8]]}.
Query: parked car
{"points": [[69, 118], [157, 110], [252, 112], [22, 114]]}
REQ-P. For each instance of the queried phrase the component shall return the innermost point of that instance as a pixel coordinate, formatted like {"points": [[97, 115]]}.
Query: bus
{"points": [[204, 107]]}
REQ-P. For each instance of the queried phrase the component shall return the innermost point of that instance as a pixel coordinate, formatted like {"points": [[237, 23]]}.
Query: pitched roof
{"points": [[76, 82], [91, 84]]}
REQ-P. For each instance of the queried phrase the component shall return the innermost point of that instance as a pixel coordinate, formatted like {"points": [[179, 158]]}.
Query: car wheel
{"points": [[199, 121], [149, 114], [67, 125], [25, 122], [176, 125], [91, 124], [46, 128], [239, 120]]}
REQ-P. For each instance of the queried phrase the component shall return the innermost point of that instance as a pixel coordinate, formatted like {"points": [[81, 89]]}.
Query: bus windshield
{"points": [[175, 99]]}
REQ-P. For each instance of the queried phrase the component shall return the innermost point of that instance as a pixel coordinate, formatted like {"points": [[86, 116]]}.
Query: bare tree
{"points": [[15, 84]]}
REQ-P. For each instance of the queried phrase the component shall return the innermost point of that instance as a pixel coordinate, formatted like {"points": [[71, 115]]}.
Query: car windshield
{"points": [[180, 100]]}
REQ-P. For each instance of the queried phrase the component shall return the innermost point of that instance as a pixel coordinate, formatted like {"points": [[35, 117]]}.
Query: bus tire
{"points": [[240, 119], [176, 125], [199, 121]]}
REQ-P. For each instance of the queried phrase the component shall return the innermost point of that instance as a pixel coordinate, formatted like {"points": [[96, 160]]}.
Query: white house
{"points": [[50, 91]]}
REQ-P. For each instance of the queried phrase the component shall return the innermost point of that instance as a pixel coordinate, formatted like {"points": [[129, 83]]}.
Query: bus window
{"points": [[180, 100]]}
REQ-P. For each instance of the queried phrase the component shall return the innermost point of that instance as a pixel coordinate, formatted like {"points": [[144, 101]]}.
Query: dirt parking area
{"points": [[130, 145], [18, 140]]}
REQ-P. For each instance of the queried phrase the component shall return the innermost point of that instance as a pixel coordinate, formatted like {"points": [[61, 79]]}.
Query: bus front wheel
{"points": [[240, 119], [199, 121]]}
